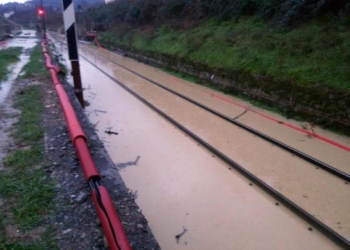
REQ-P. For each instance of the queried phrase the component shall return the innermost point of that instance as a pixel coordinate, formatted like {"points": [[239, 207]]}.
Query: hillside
{"points": [[293, 55]]}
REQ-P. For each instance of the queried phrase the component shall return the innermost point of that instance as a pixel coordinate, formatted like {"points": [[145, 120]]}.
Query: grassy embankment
{"points": [[313, 56], [7, 57], [313, 53], [25, 187]]}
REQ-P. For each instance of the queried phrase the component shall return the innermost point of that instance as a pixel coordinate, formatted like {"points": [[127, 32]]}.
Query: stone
{"points": [[67, 231], [53, 174], [105, 242], [82, 196]]}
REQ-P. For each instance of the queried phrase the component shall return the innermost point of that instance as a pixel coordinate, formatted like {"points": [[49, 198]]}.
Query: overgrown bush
{"points": [[281, 12]]}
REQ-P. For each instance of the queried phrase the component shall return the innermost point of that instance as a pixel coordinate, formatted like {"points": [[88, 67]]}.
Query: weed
{"points": [[35, 66], [24, 185], [25, 158], [30, 102], [31, 193], [27, 186]]}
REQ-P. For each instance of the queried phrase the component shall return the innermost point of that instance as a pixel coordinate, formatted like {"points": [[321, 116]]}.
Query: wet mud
{"points": [[15, 68]]}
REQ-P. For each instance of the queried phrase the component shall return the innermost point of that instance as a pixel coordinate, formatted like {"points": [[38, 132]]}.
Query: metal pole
{"points": [[78, 89], [69, 25]]}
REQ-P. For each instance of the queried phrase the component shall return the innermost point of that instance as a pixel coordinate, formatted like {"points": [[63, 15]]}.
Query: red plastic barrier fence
{"points": [[121, 239], [95, 38], [112, 227]]}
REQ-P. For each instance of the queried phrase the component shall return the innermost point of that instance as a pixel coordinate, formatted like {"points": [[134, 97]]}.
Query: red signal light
{"points": [[40, 12]]}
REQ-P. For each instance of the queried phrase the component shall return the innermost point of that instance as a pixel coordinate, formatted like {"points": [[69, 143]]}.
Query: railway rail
{"points": [[306, 157], [322, 227], [302, 213]]}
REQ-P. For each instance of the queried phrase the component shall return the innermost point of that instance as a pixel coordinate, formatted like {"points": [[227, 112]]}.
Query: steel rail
{"points": [[327, 231], [280, 144]]}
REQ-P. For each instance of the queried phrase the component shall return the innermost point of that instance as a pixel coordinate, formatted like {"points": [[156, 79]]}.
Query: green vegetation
{"points": [[306, 42], [293, 55], [313, 53], [8, 56], [35, 66], [29, 127], [24, 185], [184, 13]]}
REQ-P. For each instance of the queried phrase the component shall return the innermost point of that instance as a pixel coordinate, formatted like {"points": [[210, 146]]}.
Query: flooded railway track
{"points": [[329, 232], [309, 183], [306, 157]]}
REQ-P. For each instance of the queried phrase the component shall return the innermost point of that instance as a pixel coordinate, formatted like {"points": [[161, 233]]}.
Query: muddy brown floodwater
{"points": [[5, 86], [180, 185]]}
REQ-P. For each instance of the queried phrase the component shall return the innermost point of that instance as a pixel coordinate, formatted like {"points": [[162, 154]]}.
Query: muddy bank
{"points": [[317, 104]]}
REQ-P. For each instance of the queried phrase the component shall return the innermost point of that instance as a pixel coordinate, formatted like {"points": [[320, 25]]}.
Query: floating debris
{"points": [[130, 163], [110, 132], [180, 235]]}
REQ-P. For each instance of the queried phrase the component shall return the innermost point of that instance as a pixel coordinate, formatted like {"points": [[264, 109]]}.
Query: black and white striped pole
{"points": [[69, 26]]}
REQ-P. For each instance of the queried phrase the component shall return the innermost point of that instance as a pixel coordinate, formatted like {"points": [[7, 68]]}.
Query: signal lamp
{"points": [[40, 12]]}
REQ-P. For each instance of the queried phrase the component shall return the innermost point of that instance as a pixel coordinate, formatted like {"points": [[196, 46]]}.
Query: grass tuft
{"points": [[25, 158], [24, 183], [35, 67], [29, 127], [8, 56], [24, 186]]}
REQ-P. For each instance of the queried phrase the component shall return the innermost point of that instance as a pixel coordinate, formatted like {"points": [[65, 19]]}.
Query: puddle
{"points": [[16, 68]]}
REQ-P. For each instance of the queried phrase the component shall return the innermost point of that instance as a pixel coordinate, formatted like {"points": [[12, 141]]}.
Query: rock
{"points": [[98, 222], [67, 231], [81, 197], [105, 242], [83, 235], [53, 174]]}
